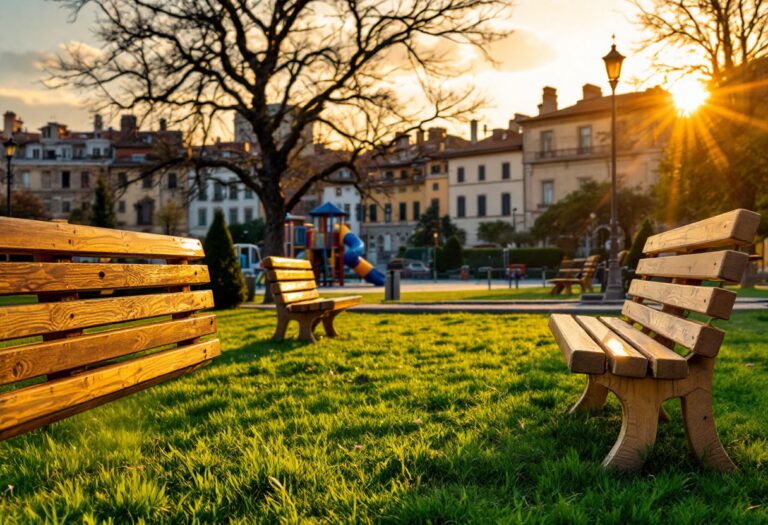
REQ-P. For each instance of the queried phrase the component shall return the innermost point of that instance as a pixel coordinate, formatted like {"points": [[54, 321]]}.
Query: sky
{"points": [[558, 43]]}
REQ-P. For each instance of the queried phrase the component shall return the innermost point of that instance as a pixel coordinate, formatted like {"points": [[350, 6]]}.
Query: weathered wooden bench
{"points": [[296, 298], [640, 365], [570, 275], [63, 348]]}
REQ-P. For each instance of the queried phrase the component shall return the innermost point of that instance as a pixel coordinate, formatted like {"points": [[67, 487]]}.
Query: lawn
{"points": [[403, 419]]}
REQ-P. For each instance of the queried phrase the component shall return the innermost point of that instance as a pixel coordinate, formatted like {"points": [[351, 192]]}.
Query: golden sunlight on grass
{"points": [[689, 94]]}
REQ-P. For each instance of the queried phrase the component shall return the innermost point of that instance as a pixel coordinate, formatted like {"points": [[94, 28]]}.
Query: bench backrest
{"points": [[77, 317], [590, 267], [694, 254], [291, 280]]}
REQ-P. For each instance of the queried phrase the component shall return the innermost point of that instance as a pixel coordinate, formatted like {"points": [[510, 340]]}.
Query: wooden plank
{"points": [[31, 403], [335, 303], [582, 354], [735, 228], [295, 297], [623, 359], [24, 362], [26, 236], [36, 319], [717, 266], [290, 275], [25, 278], [665, 363], [293, 286], [707, 300], [284, 263], [699, 338]]}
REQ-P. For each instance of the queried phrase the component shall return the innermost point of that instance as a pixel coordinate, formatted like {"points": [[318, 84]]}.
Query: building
{"points": [[344, 196], [565, 147], [485, 180]]}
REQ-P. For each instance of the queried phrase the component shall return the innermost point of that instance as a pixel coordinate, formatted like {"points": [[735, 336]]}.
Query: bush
{"points": [[103, 210], [636, 251], [451, 257], [530, 257], [227, 281]]}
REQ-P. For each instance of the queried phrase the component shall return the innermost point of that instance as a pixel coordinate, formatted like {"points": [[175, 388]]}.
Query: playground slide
{"points": [[354, 248]]}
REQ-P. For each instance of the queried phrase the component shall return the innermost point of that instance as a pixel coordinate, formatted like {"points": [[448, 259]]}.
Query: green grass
{"points": [[498, 294], [403, 419]]}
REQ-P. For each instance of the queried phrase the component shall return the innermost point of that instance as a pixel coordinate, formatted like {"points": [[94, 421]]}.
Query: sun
{"points": [[688, 94]]}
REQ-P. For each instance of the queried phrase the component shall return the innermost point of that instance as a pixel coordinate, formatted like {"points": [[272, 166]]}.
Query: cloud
{"points": [[522, 50], [22, 68]]}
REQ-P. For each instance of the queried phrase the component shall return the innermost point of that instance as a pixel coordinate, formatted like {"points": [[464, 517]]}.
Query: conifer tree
{"points": [[452, 253], [103, 211], [636, 251], [227, 280]]}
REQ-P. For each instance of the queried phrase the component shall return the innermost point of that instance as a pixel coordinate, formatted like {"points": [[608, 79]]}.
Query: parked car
{"points": [[409, 268]]}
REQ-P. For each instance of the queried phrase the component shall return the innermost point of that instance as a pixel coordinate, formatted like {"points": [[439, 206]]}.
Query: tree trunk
{"points": [[274, 231]]}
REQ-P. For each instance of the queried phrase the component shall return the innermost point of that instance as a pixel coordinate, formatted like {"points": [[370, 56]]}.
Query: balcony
{"points": [[556, 155]]}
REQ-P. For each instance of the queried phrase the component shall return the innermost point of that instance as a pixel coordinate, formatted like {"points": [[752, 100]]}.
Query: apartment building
{"points": [[566, 147], [485, 180], [344, 196]]}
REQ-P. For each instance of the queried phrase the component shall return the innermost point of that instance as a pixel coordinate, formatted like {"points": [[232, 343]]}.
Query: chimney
{"points": [[514, 125], [401, 144], [473, 131], [127, 124], [548, 100], [163, 124], [436, 134], [11, 124], [419, 137], [500, 134], [98, 123], [590, 91]]}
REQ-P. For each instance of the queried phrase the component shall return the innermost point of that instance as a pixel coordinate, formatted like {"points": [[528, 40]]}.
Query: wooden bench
{"points": [[640, 365], [570, 274], [63, 347], [296, 298]]}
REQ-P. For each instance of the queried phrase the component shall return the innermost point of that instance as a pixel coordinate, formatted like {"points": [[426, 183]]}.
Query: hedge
{"points": [[531, 257]]}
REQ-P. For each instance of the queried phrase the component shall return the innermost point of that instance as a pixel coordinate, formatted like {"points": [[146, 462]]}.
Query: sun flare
{"points": [[689, 94]]}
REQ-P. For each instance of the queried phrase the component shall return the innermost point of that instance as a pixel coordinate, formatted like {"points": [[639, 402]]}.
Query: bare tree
{"points": [[343, 68], [719, 35]]}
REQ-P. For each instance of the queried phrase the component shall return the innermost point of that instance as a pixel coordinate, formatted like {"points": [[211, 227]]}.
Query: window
{"points": [[547, 192], [46, 180], [26, 180], [233, 191], [358, 212], [146, 183], [65, 179], [416, 210], [232, 216], [202, 193], [434, 169], [248, 194], [122, 179], [435, 205], [202, 217], [145, 210], [506, 204], [121, 207], [218, 191], [481, 172], [338, 192], [585, 139], [403, 174], [172, 181], [248, 212], [435, 186], [36, 154], [372, 213], [387, 213], [505, 170], [66, 206], [402, 213], [481, 205], [85, 180], [347, 209], [97, 152], [460, 174], [461, 206], [389, 174], [547, 138]]}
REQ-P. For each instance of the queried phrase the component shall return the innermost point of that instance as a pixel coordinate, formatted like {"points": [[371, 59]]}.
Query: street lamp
{"points": [[10, 151], [615, 290], [514, 219], [436, 237]]}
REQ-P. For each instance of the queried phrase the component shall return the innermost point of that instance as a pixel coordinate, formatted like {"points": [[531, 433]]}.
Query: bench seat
{"points": [[332, 304]]}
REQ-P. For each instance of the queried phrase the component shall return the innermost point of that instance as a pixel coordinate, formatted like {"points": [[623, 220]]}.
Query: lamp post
{"points": [[10, 151], [436, 237], [614, 291]]}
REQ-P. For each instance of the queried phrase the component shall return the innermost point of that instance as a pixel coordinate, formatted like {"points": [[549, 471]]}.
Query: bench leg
{"points": [[306, 328], [640, 405], [330, 331], [282, 325], [593, 398], [556, 289], [701, 431]]}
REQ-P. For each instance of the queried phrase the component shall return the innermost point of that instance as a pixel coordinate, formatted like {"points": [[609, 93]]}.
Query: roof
{"points": [[624, 102], [327, 209], [501, 141]]}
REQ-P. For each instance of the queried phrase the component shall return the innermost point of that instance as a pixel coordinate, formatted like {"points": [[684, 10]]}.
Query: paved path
{"points": [[426, 285], [503, 307]]}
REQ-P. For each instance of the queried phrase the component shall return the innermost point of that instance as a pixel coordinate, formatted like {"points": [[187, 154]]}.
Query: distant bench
{"points": [[296, 298], [639, 364], [570, 273], [79, 370]]}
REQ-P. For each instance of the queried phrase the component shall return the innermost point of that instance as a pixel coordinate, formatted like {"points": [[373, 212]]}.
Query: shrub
{"points": [[227, 281], [103, 210], [451, 257], [531, 257], [636, 251]]}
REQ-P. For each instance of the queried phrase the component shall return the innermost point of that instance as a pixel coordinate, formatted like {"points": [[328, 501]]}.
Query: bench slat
{"points": [[623, 359], [293, 286], [40, 237], [37, 319], [735, 228], [25, 278], [698, 337], [283, 263], [582, 354], [714, 302], [24, 362], [30, 404], [717, 266], [665, 363], [290, 275], [295, 297]]}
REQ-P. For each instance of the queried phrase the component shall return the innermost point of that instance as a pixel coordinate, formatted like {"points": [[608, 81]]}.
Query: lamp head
{"points": [[613, 61], [10, 147]]}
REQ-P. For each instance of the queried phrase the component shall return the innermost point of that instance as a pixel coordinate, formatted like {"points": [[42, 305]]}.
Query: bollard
{"points": [[517, 279], [392, 286], [488, 271], [544, 276]]}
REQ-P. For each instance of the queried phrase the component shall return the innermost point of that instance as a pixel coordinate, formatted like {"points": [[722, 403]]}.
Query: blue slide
{"points": [[352, 258]]}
